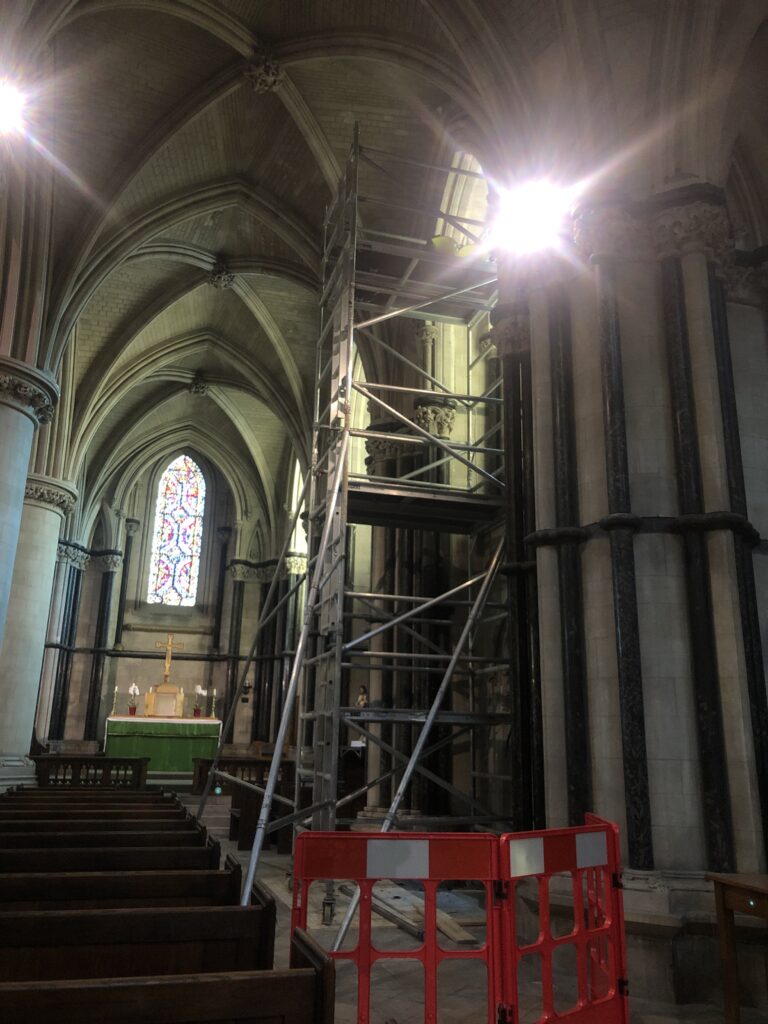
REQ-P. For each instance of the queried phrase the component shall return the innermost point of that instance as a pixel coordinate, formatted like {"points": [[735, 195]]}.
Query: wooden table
{"points": [[744, 894]]}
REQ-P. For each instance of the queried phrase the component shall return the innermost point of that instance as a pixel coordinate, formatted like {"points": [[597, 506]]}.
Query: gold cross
{"points": [[170, 647]]}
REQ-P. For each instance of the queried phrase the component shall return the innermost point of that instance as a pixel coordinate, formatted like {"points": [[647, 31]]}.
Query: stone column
{"points": [[223, 534], [131, 529], [511, 337], [240, 573], [608, 233], [693, 238], [109, 562], [27, 398], [74, 560], [52, 646], [46, 502]]}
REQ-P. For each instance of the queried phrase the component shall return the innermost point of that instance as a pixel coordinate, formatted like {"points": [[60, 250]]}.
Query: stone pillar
{"points": [[693, 238], [223, 534], [74, 559], [52, 646], [131, 529], [512, 338], [608, 233], [46, 502], [27, 398], [109, 562], [239, 576]]}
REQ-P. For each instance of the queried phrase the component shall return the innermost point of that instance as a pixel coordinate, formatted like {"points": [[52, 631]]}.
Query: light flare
{"points": [[531, 217], [12, 104]]}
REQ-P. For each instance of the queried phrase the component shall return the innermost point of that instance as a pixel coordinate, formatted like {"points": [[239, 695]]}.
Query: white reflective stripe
{"points": [[526, 857], [591, 849], [398, 858]]}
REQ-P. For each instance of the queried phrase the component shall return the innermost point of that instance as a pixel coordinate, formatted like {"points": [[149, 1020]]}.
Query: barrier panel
{"points": [[573, 877], [551, 945]]}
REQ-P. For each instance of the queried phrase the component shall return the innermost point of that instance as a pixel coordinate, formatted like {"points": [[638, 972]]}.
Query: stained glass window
{"points": [[177, 534]]}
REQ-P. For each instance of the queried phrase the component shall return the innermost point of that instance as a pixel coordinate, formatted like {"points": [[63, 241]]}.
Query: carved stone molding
{"points": [[512, 334], [695, 227], [221, 276], [132, 527], [27, 389], [198, 385], [263, 572], [426, 332], [379, 449], [264, 73], [295, 565], [611, 231], [53, 495], [73, 554], [436, 417], [109, 561], [746, 284]]}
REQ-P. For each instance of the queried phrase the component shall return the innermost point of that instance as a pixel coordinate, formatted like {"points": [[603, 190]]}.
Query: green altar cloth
{"points": [[169, 743]]}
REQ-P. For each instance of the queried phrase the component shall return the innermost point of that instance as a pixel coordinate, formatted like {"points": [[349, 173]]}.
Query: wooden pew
{"points": [[87, 793], [129, 941], [71, 840], [33, 813], [118, 858], [85, 890], [304, 994], [79, 824]]}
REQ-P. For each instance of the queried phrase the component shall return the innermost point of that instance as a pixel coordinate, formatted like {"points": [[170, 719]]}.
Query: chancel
{"points": [[409, 363]]}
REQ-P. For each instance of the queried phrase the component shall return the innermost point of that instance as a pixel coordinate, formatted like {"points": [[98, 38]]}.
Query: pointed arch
{"points": [[177, 534]]}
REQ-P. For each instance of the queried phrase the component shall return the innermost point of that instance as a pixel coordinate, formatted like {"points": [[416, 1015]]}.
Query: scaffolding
{"points": [[420, 646]]}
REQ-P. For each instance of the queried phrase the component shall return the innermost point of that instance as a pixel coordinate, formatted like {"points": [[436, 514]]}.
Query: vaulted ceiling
{"points": [[190, 182]]}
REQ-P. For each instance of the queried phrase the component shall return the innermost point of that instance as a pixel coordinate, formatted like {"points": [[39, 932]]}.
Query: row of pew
{"points": [[113, 908]]}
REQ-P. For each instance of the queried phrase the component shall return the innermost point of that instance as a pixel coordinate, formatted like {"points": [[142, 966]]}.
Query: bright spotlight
{"points": [[12, 103], [530, 217]]}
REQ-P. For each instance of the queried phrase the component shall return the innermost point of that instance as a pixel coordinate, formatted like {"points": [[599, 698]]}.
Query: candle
{"points": [[214, 691]]}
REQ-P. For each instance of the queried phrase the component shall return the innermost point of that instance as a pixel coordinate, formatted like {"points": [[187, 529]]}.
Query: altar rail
{"points": [[250, 768], [72, 771]]}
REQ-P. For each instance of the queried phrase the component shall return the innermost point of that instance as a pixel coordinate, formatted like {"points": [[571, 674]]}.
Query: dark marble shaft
{"points": [[716, 803], [627, 628]]}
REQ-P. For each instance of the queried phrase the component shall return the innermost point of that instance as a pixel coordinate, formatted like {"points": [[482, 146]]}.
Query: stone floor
{"points": [[397, 986]]}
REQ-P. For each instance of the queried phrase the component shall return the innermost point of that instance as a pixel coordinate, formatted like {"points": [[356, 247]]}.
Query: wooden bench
{"points": [[76, 771], [98, 824], [129, 941], [71, 840], [87, 890], [304, 994], [118, 799], [117, 858], [36, 813]]}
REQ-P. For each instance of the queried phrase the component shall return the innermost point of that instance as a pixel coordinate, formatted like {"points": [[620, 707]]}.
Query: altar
{"points": [[169, 743]]}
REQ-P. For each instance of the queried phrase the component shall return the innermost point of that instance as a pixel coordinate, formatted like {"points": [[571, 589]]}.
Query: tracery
{"points": [[177, 534]]}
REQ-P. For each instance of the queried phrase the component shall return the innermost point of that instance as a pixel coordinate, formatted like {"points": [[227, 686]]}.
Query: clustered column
{"points": [[46, 503]]}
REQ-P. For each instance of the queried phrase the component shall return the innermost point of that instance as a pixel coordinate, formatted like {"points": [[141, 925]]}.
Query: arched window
{"points": [[177, 534]]}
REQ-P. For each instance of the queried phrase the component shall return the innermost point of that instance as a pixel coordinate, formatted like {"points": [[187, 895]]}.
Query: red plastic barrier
{"points": [[587, 859]]}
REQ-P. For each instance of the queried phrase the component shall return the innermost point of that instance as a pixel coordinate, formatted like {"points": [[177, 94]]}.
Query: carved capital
{"points": [[437, 418], [611, 231], [53, 495], [426, 332], [220, 277], [695, 227], [132, 527], [198, 385], [295, 565], [512, 334], [747, 284], [27, 389], [263, 72], [379, 449], [73, 554], [109, 561]]}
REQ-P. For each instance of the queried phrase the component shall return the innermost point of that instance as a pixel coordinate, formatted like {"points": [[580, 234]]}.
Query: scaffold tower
{"points": [[401, 656]]}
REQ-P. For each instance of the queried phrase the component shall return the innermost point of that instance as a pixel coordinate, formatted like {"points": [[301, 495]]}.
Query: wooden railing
{"points": [[94, 771], [250, 769]]}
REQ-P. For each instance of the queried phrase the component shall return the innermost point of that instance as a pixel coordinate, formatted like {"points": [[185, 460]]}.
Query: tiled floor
{"points": [[397, 986]]}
